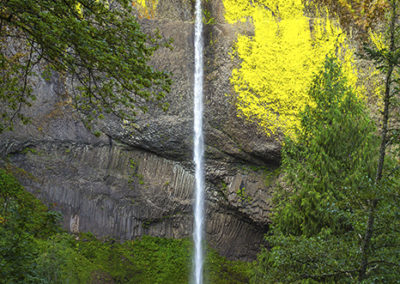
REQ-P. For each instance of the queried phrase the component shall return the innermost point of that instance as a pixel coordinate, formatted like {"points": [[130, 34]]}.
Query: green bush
{"points": [[23, 218], [34, 250]]}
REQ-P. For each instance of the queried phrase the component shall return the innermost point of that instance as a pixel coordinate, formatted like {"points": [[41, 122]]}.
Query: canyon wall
{"points": [[137, 180]]}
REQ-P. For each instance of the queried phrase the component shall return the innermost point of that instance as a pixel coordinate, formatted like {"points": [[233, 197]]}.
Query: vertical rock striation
{"points": [[131, 182]]}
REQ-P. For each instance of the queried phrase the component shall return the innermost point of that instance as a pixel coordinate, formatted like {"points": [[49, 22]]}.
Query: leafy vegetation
{"points": [[337, 214], [97, 46], [387, 58], [323, 207], [23, 219], [146, 9], [278, 62], [359, 15], [34, 250]]}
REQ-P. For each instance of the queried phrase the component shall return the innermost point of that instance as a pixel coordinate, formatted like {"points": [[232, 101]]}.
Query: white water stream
{"points": [[198, 230]]}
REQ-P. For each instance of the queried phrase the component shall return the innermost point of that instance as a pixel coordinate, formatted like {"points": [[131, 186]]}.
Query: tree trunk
{"points": [[382, 151]]}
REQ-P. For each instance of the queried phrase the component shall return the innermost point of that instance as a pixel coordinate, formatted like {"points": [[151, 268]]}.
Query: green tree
{"points": [[97, 45], [334, 150], [386, 55], [22, 219], [322, 210]]}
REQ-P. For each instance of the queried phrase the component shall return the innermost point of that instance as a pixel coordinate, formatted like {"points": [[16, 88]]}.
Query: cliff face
{"points": [[130, 182]]}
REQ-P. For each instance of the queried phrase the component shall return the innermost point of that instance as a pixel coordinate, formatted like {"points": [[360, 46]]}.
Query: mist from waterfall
{"points": [[198, 230]]}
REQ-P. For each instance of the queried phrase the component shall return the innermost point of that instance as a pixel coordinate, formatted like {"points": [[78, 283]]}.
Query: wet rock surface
{"points": [[135, 181]]}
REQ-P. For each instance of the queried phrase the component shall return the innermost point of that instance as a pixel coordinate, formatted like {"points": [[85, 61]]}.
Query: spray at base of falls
{"points": [[199, 220]]}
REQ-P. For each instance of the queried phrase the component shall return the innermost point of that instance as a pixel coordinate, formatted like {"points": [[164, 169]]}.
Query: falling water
{"points": [[198, 231]]}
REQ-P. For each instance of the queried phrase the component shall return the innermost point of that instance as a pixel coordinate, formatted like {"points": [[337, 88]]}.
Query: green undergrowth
{"points": [[33, 249]]}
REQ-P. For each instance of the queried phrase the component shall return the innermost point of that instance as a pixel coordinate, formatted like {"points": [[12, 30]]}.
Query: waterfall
{"points": [[198, 230]]}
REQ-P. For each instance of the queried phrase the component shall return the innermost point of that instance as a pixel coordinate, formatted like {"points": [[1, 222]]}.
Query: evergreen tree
{"points": [[330, 154], [323, 205]]}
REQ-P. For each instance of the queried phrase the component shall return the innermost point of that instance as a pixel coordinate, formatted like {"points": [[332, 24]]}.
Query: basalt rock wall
{"points": [[135, 181]]}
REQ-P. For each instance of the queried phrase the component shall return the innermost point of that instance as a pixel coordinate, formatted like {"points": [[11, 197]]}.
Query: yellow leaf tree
{"points": [[146, 8], [278, 62]]}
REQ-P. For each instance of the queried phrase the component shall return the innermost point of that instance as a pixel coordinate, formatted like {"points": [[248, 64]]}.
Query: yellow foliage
{"points": [[378, 40], [78, 8], [237, 10], [278, 62], [346, 4], [146, 8]]}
